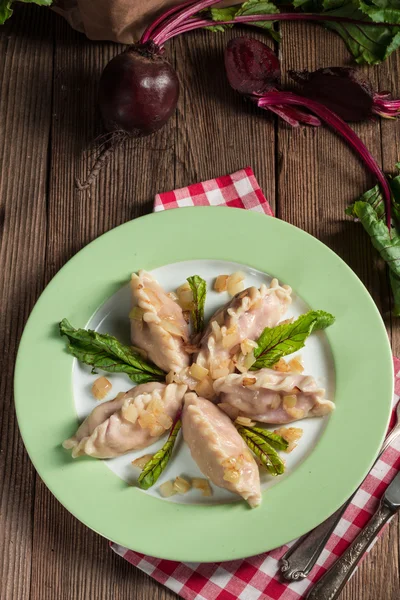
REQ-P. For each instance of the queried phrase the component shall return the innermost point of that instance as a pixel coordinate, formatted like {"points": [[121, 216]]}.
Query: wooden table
{"points": [[48, 120]]}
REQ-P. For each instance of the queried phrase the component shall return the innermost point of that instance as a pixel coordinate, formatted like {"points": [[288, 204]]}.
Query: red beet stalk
{"points": [[340, 127], [385, 106], [253, 70], [174, 23], [139, 89]]}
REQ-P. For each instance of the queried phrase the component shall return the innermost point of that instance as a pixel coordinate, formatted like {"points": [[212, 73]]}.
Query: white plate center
{"points": [[112, 318]]}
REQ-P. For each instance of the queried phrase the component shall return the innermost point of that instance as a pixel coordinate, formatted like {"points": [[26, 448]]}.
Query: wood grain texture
{"points": [[49, 124], [320, 175], [217, 132], [26, 50], [69, 561], [319, 178]]}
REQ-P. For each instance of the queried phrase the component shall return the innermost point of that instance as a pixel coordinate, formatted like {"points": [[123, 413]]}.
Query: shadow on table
{"points": [[353, 245]]}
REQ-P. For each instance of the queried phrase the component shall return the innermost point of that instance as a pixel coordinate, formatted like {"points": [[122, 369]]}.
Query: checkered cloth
{"points": [[239, 190], [257, 578]]}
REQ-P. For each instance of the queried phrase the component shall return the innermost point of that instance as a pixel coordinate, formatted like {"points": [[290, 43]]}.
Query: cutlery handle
{"points": [[331, 584], [298, 561]]}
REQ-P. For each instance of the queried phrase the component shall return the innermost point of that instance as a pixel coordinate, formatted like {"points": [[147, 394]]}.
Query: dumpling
{"points": [[157, 324], [129, 422], [272, 397], [218, 449], [243, 318]]}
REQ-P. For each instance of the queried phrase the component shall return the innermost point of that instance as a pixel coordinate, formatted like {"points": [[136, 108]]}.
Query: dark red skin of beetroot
{"points": [[340, 89], [138, 91], [252, 68]]}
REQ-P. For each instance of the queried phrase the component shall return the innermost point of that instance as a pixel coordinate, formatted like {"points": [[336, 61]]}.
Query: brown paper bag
{"points": [[116, 20]]}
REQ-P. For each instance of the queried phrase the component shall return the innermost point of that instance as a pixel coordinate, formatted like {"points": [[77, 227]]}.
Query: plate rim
{"points": [[230, 546]]}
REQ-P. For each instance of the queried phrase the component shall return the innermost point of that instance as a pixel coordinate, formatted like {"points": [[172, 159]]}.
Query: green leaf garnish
{"points": [[199, 290], [263, 450], [275, 440], [156, 465], [276, 342], [105, 352]]}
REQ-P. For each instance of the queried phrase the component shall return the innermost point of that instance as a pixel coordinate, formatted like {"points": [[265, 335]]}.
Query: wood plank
{"points": [[318, 179], [388, 78], [125, 189], [214, 133], [69, 561], [320, 175], [26, 50], [218, 132]]}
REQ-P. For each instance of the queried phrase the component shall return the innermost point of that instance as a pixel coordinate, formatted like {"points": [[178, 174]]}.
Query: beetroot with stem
{"points": [[132, 84], [240, 70], [138, 93], [344, 91], [253, 69], [139, 89]]}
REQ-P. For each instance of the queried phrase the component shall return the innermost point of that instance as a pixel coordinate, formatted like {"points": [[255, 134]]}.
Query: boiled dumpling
{"points": [[219, 450], [129, 422], [157, 324], [243, 318], [272, 397]]}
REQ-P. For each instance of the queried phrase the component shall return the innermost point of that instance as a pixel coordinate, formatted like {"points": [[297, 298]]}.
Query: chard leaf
{"points": [[260, 7], [224, 14], [221, 14], [218, 28], [382, 11], [276, 342], [369, 209], [395, 285], [309, 5], [374, 198], [388, 245], [156, 465], [369, 44], [263, 450], [105, 352], [251, 7], [6, 10], [199, 290]]}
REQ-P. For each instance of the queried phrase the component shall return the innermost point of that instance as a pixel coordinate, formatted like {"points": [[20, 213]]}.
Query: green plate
{"points": [[320, 484]]}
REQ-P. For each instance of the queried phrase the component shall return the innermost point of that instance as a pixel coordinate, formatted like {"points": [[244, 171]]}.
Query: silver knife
{"points": [[331, 584]]}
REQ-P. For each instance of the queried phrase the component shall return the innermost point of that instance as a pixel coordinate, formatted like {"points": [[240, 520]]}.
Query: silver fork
{"points": [[298, 561]]}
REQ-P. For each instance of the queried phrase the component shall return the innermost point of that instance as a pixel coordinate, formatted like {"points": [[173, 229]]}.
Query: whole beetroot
{"points": [[138, 91]]}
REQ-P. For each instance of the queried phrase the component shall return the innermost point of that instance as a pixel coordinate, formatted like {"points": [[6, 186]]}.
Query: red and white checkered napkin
{"points": [[257, 577]]}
